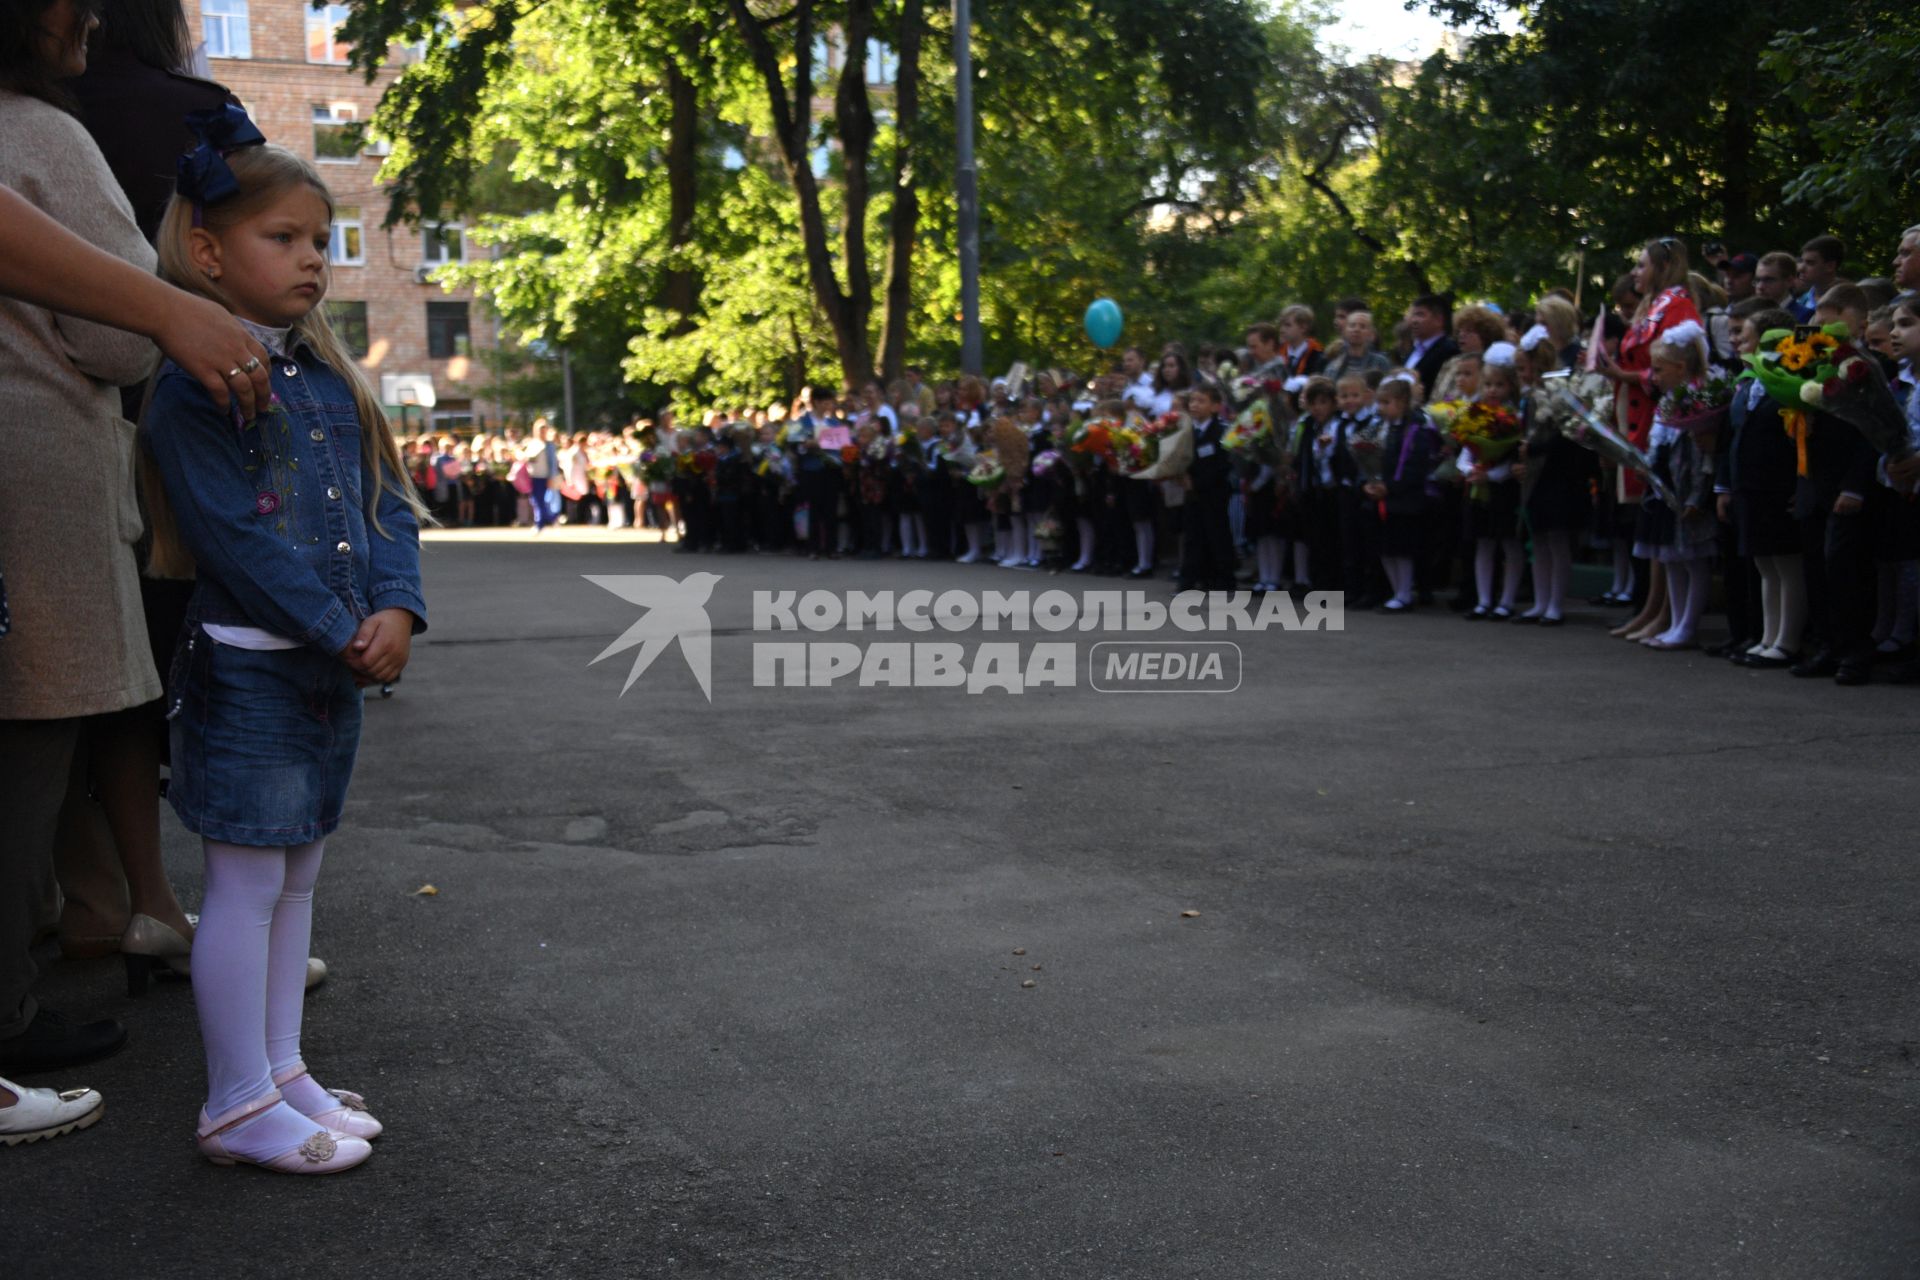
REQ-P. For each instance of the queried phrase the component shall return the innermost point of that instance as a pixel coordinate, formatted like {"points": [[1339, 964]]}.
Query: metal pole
{"points": [[972, 355], [566, 387]]}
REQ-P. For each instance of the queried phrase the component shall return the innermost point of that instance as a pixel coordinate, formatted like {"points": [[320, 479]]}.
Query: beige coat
{"points": [[68, 516]]}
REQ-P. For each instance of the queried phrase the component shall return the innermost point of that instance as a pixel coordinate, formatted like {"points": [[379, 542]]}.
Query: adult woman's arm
{"points": [[43, 263]]}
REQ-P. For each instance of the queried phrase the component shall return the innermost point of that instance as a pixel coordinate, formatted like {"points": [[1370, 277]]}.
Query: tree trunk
{"points": [[903, 218], [680, 290], [793, 126]]}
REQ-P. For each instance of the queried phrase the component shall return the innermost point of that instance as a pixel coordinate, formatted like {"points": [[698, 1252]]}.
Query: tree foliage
{"points": [[691, 185]]}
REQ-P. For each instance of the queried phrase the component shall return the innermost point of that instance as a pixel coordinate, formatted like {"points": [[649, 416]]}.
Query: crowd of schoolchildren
{"points": [[1286, 463]]}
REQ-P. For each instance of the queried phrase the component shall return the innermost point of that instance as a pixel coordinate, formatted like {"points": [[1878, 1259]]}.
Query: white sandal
{"points": [[351, 1117], [324, 1151], [43, 1113]]}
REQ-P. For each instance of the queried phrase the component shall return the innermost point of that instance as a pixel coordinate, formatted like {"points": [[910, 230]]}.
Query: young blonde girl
{"points": [[302, 532], [1683, 541], [1496, 521]]}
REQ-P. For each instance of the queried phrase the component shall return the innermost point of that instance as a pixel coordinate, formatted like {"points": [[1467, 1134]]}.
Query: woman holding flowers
{"points": [[1660, 279]]}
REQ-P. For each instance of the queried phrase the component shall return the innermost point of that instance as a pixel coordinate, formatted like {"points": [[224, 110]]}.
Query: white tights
{"points": [[249, 982], [1399, 571], [1270, 553], [1783, 605], [1143, 544], [1552, 572], [1687, 584], [1483, 550]]}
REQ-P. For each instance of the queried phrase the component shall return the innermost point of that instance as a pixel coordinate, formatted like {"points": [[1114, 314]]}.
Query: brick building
{"points": [[281, 58]]}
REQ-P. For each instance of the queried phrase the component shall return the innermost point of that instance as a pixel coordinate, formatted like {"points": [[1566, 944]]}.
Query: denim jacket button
{"points": [[316, 435], [333, 492], [344, 548], [292, 371]]}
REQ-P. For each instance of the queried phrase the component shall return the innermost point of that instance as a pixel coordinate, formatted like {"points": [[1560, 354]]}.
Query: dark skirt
{"points": [[1261, 520], [1499, 515], [1559, 500], [1653, 529], [1139, 499], [1763, 524], [1404, 534]]}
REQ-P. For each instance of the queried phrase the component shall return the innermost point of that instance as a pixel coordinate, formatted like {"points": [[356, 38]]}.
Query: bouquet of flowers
{"points": [[1492, 431], [1367, 446], [849, 455], [877, 451], [1046, 461], [1701, 410], [911, 450], [1823, 370], [1586, 428], [1164, 449], [986, 472], [655, 467], [1094, 439], [1253, 436]]}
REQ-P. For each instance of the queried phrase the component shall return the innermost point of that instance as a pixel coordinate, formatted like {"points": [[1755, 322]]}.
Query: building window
{"points": [[323, 33], [223, 24], [336, 136], [441, 243], [883, 64], [349, 247], [447, 333], [349, 320]]}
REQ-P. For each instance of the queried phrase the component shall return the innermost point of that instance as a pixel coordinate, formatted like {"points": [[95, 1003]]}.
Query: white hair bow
{"points": [[1534, 337], [1501, 353]]}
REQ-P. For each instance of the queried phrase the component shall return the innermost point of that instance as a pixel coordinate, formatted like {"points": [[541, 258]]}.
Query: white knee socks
{"points": [[1143, 544]]}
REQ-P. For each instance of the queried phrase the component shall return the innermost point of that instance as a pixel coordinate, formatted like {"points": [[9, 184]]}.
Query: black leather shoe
{"points": [[1525, 619], [51, 1043], [1549, 622], [1851, 673], [1820, 664]]}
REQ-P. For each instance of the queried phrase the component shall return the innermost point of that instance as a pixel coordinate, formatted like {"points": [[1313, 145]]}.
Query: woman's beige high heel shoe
{"points": [[150, 945], [324, 1152]]}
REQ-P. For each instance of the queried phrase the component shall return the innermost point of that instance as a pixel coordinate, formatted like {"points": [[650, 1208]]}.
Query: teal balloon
{"points": [[1103, 322]]}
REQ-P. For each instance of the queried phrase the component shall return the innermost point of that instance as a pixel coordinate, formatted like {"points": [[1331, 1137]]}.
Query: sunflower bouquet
{"points": [[1806, 370]]}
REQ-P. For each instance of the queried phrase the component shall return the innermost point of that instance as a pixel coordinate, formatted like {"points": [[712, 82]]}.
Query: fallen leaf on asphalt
{"points": [[1029, 983], [1036, 969], [1019, 951], [426, 891], [1188, 915], [1321, 791]]}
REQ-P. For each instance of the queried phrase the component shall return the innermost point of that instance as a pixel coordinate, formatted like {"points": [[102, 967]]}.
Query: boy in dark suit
{"points": [[1206, 549]]}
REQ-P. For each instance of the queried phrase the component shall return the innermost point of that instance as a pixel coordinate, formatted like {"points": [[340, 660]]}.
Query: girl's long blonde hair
{"points": [[265, 173]]}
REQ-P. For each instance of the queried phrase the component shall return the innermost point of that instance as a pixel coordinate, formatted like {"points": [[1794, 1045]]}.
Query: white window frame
{"points": [[337, 113], [337, 247], [430, 229], [329, 16], [234, 21], [883, 64]]}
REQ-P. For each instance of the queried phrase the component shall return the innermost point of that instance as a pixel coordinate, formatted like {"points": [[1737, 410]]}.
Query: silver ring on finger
{"points": [[233, 373], [253, 362]]}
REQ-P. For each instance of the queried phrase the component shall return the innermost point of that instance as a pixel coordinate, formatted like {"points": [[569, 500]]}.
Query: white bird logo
{"points": [[675, 610]]}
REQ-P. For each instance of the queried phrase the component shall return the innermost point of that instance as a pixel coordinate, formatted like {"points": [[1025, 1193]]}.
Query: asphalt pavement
{"points": [[1432, 950]]}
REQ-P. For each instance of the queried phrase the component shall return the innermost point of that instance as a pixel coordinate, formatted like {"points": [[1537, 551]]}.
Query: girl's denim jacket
{"points": [[274, 511]]}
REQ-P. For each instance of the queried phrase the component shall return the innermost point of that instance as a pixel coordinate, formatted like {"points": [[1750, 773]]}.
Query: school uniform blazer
{"points": [[1412, 451], [1756, 453], [1839, 460], [1212, 469]]}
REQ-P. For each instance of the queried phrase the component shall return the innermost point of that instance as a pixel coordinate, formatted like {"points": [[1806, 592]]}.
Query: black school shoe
{"points": [[1853, 673], [52, 1043], [1820, 664]]}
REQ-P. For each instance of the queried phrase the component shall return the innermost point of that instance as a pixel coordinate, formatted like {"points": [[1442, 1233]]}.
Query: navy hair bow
{"points": [[204, 177]]}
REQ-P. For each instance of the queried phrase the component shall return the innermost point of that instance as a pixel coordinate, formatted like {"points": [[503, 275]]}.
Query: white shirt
{"points": [[1140, 393]]}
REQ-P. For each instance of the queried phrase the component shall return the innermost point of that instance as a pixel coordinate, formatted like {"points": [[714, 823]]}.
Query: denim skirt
{"points": [[263, 741]]}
